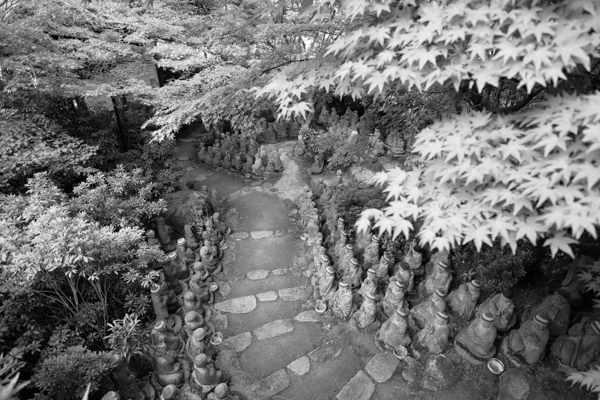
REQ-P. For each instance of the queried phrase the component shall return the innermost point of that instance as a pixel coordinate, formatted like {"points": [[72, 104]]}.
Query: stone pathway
{"points": [[276, 346]]}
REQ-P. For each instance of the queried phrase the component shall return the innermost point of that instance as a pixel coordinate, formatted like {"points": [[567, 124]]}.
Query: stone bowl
{"points": [[320, 307], [213, 287], [401, 353], [216, 338], [495, 366]]}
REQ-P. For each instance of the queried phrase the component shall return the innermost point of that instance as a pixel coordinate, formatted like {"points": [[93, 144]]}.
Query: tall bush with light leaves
{"points": [[76, 267]]}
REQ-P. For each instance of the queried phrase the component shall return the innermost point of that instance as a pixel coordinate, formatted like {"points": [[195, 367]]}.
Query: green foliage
{"points": [[10, 364], [67, 374], [496, 268], [121, 198], [126, 336], [591, 278], [35, 144]]}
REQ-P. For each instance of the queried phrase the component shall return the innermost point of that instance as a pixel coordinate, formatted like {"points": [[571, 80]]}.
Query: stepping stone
{"points": [[271, 385], [183, 158], [293, 294], [273, 189], [308, 316], [224, 288], [267, 185], [358, 388], [200, 178], [301, 366], [240, 235], [246, 189], [267, 296], [274, 329], [280, 271], [239, 342], [255, 183], [239, 305], [382, 366], [233, 194], [279, 232], [261, 234], [257, 274]]}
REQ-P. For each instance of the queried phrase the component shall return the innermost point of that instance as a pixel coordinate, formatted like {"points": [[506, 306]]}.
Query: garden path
{"points": [[276, 346]]}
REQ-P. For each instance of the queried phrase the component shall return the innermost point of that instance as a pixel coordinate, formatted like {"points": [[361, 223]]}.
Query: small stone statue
{"points": [[191, 303], [257, 169], [277, 164], [414, 259], [159, 302], [190, 238], [300, 146], [352, 274], [340, 248], [371, 256], [221, 392], [365, 316], [269, 170], [434, 336], [475, 343], [439, 278], [344, 260], [185, 258], [125, 379], [226, 161], [217, 159], [195, 344], [369, 285], [247, 167], [394, 298], [342, 302], [168, 373], [202, 154], [151, 238], [502, 308], [171, 271], [318, 164], [236, 163], [558, 311], [403, 274], [376, 145], [464, 299], [326, 285], [394, 332], [193, 321], [199, 286], [580, 348], [163, 235], [363, 240], [426, 311], [528, 343], [383, 268], [205, 374]]}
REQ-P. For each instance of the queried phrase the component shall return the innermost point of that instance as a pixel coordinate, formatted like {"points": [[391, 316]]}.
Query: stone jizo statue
{"points": [[464, 299], [365, 316], [580, 347], [434, 336], [502, 307], [475, 343], [440, 278], [528, 343], [558, 311], [426, 311], [342, 302], [394, 298], [394, 332]]}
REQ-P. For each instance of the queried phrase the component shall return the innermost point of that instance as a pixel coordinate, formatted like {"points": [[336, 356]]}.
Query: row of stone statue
{"points": [[180, 297], [340, 280], [239, 153]]}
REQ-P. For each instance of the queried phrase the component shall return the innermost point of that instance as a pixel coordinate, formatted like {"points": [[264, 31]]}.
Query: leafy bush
{"points": [[589, 380], [67, 374], [496, 268]]}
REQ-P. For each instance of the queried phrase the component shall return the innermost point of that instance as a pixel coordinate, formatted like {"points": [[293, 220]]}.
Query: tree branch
{"points": [[283, 65]]}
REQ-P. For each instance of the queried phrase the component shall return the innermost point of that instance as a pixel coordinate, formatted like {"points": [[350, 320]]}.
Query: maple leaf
{"points": [[363, 225], [560, 242], [478, 235], [401, 225]]}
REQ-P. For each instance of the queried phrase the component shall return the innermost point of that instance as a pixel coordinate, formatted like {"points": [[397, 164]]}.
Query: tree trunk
{"points": [[119, 106]]}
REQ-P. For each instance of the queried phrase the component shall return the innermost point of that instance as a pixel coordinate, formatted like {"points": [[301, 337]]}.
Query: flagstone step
{"points": [[270, 282], [270, 253]]}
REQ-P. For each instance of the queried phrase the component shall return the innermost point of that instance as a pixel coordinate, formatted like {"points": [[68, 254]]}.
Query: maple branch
{"points": [[523, 102], [283, 65]]}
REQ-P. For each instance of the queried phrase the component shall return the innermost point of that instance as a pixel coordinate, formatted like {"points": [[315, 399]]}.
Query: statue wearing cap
{"points": [[414, 259], [580, 348], [394, 298], [344, 261], [382, 268], [434, 336], [193, 321], [394, 332], [171, 271], [205, 373], [439, 278], [365, 316], [371, 257], [197, 344], [475, 343], [464, 299], [557, 309], [528, 343], [426, 311], [190, 240], [502, 307], [168, 372], [369, 285], [353, 274], [405, 274], [326, 285], [342, 302], [185, 258], [363, 240], [337, 251]]}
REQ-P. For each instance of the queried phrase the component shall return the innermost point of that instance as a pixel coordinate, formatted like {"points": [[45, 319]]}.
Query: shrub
{"points": [[66, 375]]}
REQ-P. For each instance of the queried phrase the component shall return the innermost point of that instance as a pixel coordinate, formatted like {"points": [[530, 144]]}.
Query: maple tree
{"points": [[488, 174]]}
